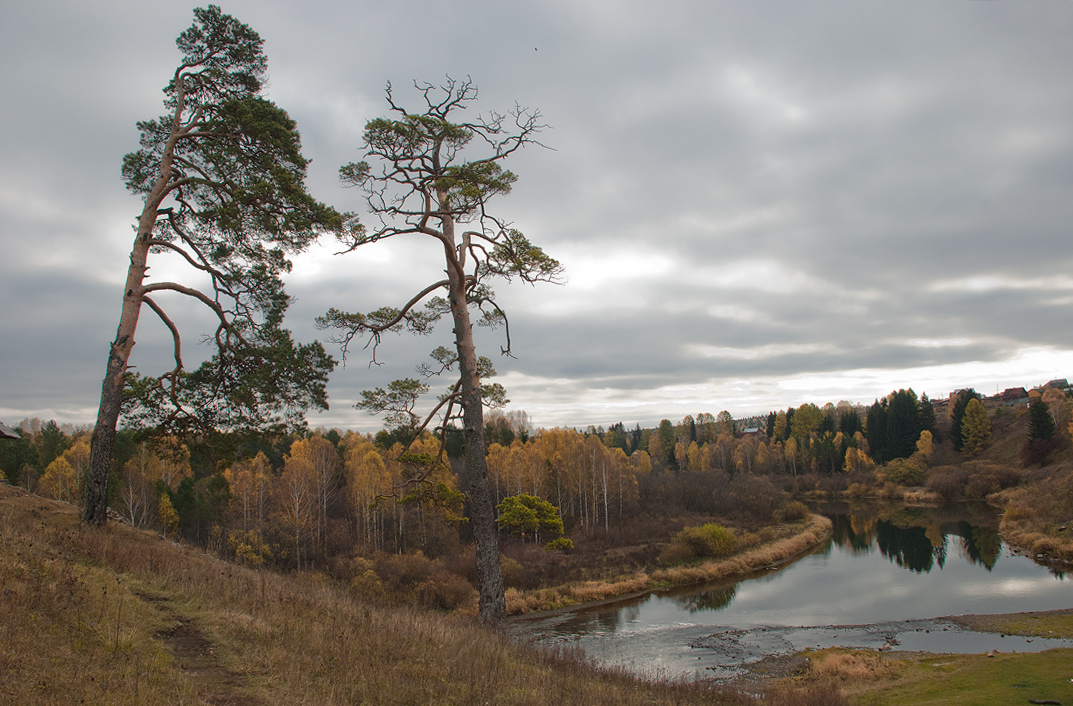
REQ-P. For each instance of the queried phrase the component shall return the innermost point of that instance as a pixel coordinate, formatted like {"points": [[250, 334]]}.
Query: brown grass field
{"points": [[119, 616]]}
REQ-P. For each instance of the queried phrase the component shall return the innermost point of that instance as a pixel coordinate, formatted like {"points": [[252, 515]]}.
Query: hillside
{"points": [[120, 616]]}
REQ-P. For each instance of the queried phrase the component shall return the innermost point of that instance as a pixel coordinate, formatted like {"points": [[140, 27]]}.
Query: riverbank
{"points": [[809, 533], [1048, 623], [912, 678]]}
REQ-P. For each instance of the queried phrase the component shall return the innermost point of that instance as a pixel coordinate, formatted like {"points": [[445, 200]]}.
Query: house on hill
{"points": [[1014, 396], [7, 432]]}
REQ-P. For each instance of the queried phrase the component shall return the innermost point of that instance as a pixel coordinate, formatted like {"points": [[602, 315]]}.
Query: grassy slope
{"points": [[120, 616]]}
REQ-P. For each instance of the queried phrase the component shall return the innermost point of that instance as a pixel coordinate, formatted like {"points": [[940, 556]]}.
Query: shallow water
{"points": [[874, 584]]}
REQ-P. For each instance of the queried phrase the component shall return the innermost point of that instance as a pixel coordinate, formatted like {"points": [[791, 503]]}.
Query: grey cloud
{"points": [[825, 184]]}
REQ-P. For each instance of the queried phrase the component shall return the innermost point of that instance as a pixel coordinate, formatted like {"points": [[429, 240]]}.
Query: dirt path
{"points": [[196, 657]]}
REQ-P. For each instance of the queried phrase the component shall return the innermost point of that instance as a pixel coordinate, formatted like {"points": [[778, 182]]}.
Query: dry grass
{"points": [[91, 615], [801, 537], [811, 534], [854, 667], [1039, 515]]}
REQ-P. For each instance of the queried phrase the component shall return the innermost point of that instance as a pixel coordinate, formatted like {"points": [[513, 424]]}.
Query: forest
{"points": [[366, 509]]}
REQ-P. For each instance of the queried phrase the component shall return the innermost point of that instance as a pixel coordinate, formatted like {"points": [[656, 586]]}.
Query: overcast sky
{"points": [[759, 203]]}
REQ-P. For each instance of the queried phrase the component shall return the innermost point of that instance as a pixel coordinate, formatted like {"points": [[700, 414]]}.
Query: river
{"points": [[880, 581]]}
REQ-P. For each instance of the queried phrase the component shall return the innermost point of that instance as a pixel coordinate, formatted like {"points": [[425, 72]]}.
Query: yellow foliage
{"points": [[169, 518], [249, 547], [59, 481]]}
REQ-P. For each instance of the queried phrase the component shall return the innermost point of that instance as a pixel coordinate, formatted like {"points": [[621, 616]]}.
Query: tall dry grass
{"points": [[815, 530], [84, 613], [1039, 516], [811, 533]]}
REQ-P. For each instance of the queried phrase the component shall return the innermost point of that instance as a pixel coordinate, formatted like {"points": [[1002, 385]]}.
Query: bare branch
{"points": [[176, 339]]}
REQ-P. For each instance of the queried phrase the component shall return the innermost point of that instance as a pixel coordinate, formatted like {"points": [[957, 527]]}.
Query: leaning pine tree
{"points": [[222, 178], [433, 174]]}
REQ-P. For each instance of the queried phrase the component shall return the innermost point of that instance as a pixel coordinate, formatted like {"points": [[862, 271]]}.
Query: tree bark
{"points": [[491, 601], [102, 442], [95, 511]]}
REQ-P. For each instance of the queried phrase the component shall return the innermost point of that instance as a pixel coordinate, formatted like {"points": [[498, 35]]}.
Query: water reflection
{"points": [[708, 600], [916, 538], [882, 565]]}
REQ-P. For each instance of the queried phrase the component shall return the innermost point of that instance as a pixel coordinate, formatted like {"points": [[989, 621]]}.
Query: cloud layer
{"points": [[757, 204]]}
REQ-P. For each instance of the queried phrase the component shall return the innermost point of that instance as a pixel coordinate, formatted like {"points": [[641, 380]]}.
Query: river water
{"points": [[882, 580]]}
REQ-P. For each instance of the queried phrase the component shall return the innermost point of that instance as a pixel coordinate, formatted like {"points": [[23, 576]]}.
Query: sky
{"points": [[758, 203]]}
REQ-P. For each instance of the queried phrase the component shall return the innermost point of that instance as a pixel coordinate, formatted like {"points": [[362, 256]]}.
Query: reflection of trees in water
{"points": [[853, 532], [709, 600], [980, 545], [916, 537], [908, 547]]}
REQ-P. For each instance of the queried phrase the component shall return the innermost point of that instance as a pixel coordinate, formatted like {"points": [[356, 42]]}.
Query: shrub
{"points": [[562, 544], [948, 482], [512, 571], [793, 511], [904, 472], [1046, 546], [707, 541], [676, 553], [1036, 451], [446, 591], [403, 570]]}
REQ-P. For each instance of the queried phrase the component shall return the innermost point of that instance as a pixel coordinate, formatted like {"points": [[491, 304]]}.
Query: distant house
{"points": [[1014, 395], [1060, 383], [7, 432], [751, 431]]}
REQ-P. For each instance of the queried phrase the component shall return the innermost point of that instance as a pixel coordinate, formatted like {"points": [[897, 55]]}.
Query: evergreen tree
{"points": [[927, 414], [1041, 432], [433, 172], [221, 178], [876, 430], [849, 423], [1040, 421], [903, 425], [957, 415]]}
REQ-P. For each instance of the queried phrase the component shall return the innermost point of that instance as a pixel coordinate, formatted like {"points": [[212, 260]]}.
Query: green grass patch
{"points": [[974, 680]]}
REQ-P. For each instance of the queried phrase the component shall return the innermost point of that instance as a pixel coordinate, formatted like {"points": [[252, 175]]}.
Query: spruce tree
{"points": [[1041, 432], [1040, 422]]}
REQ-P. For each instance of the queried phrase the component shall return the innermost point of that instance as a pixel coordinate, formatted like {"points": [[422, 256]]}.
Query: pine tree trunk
{"points": [[102, 442], [491, 602], [95, 511]]}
